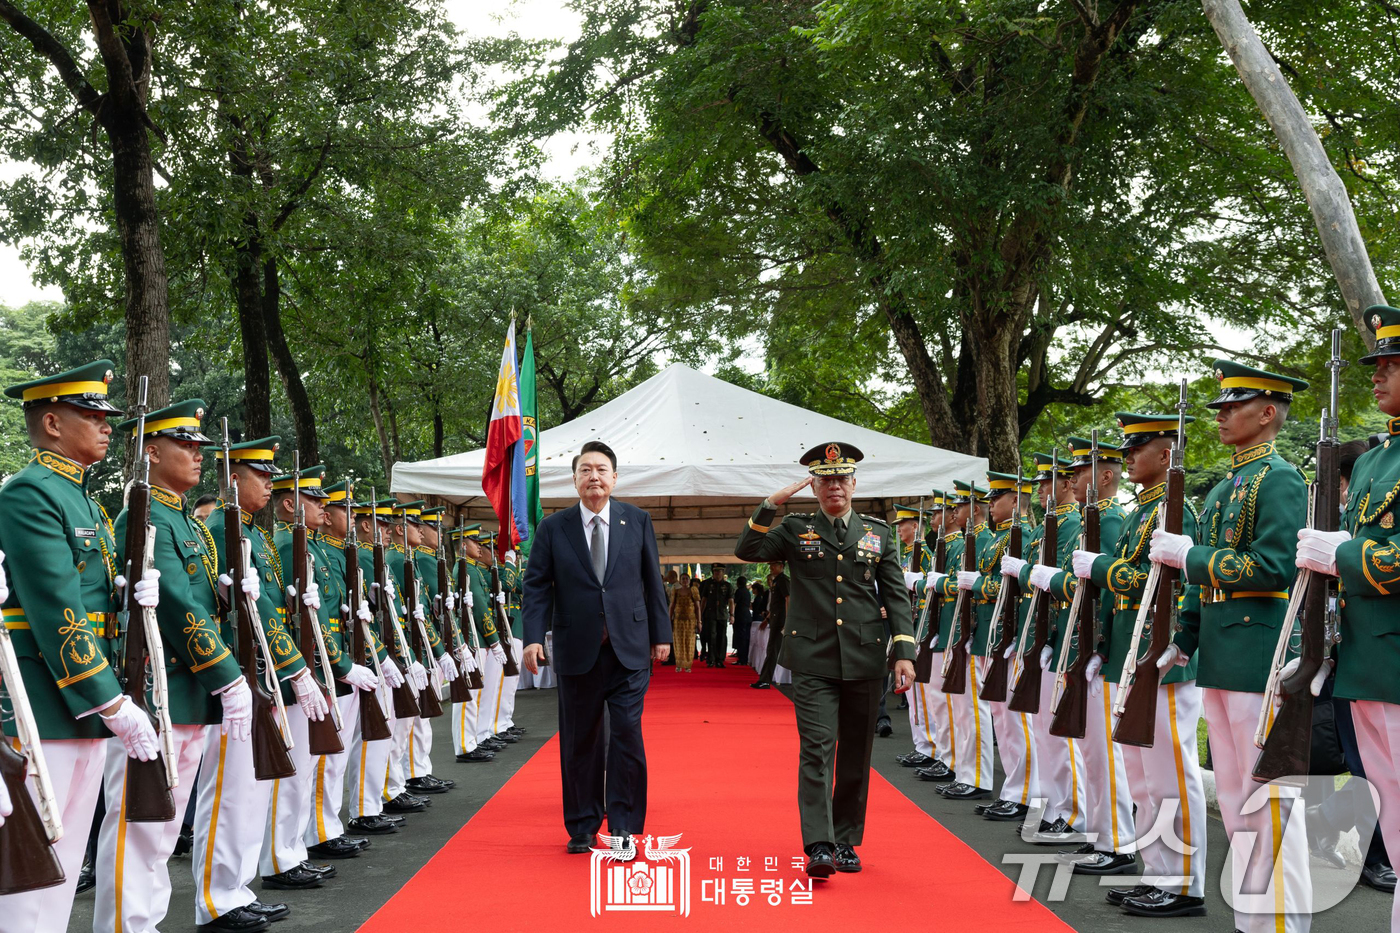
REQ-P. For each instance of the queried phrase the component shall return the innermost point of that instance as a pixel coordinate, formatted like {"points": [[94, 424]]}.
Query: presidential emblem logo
{"points": [[657, 882]]}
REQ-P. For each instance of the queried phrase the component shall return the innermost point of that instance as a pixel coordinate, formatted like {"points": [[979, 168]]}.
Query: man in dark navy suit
{"points": [[595, 577]]}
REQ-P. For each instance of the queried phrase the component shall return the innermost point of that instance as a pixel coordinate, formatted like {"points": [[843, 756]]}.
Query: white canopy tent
{"points": [[699, 454]]}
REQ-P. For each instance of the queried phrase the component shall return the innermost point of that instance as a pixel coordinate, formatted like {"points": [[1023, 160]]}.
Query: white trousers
{"points": [[369, 766], [493, 678], [75, 769], [1378, 740], [1268, 846], [1059, 764], [133, 874], [328, 778], [1016, 748], [505, 712], [394, 775], [940, 715], [289, 809], [924, 731], [418, 757], [1169, 775], [1108, 804], [972, 726], [230, 819], [466, 715]]}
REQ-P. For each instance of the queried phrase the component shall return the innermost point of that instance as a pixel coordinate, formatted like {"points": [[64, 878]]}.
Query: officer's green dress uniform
{"points": [[835, 644], [199, 664], [1240, 575], [60, 558]]}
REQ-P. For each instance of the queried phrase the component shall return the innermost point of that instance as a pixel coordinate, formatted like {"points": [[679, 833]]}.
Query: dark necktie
{"points": [[840, 531], [599, 553]]}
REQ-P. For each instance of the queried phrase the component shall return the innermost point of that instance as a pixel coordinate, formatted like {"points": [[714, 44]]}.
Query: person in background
{"points": [[759, 610], [716, 611], [776, 618], [743, 619], [204, 505], [685, 610]]}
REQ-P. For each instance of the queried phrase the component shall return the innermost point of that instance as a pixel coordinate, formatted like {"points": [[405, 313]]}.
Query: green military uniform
{"points": [[945, 588], [834, 643], [1061, 589], [383, 511], [989, 565]]}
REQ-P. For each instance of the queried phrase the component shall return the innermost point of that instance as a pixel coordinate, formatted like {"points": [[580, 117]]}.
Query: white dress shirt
{"points": [[589, 517]]}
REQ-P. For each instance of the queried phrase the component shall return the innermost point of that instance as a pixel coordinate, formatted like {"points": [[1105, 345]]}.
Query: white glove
{"points": [[147, 592], [312, 597], [1091, 674], [389, 588], [249, 584], [1046, 654], [448, 667], [361, 678], [911, 579], [1082, 561], [501, 598], [1041, 575], [4, 595], [237, 700], [510, 558], [1010, 651], [362, 612], [134, 728], [418, 613], [466, 657], [419, 674], [498, 652], [967, 579], [1317, 550], [1172, 656], [467, 597], [392, 675], [934, 576], [309, 696], [450, 601], [1169, 549], [344, 611], [1012, 566], [1291, 667]]}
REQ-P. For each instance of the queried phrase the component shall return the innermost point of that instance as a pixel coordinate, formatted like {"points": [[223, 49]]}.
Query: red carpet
{"points": [[722, 762]]}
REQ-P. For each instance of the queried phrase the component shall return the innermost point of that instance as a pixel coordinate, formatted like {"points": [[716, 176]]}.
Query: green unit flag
{"points": [[530, 432]]}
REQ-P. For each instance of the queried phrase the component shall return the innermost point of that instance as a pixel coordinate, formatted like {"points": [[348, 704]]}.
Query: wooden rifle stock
{"points": [[429, 704], [458, 690], [1071, 715], [322, 738], [405, 701], [374, 726], [1025, 696], [503, 631], [27, 859], [474, 678], [994, 684], [923, 658], [955, 664]]}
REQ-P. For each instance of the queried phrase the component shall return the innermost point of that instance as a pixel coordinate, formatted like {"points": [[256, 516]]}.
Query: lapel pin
{"points": [[622, 521]]}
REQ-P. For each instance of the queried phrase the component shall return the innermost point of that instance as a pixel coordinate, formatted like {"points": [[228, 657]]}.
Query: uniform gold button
{"points": [[82, 565], [838, 600], [838, 578], [1246, 618], [793, 632], [840, 556], [838, 621]]}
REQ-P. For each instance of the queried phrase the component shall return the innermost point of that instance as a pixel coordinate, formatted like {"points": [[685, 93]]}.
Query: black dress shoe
{"points": [[372, 825], [1006, 812], [883, 728], [579, 844], [326, 872], [423, 786], [238, 920], [87, 877], [273, 912], [1045, 827], [821, 860], [358, 842], [937, 772], [1059, 833], [966, 792], [491, 745], [1380, 877], [1070, 856], [846, 859], [1164, 904], [477, 754], [915, 760], [406, 803], [1105, 863], [394, 818], [185, 842], [506, 737], [1116, 896], [334, 848], [760, 685], [517, 730], [295, 878]]}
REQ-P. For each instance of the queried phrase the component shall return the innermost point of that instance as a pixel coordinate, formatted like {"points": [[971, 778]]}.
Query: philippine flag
{"points": [[503, 473]]}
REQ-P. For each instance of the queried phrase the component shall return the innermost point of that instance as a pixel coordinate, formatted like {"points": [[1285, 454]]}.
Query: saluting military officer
{"points": [[1244, 567], [231, 804], [906, 525], [1157, 776], [846, 570], [61, 557], [1108, 801], [205, 683]]}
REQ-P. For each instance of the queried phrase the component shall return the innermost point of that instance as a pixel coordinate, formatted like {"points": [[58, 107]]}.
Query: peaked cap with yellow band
{"points": [[383, 509], [999, 484], [1043, 467], [905, 513], [1384, 322], [936, 502], [1139, 429], [257, 454], [180, 422], [1240, 383], [832, 459], [411, 510], [434, 515], [466, 531], [83, 386], [310, 482], [336, 494], [966, 491], [1081, 447]]}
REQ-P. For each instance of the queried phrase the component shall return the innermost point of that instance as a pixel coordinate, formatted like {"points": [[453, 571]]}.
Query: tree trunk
{"points": [[1323, 189], [385, 455], [302, 415], [257, 382]]}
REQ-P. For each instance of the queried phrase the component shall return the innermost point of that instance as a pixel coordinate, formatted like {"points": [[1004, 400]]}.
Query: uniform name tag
{"points": [[85, 532], [192, 544]]}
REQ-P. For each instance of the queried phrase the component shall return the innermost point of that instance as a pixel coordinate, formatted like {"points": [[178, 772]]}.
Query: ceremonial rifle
{"points": [[1137, 717], [1005, 612], [322, 738], [148, 783], [429, 702], [1025, 695], [459, 689], [271, 733], [928, 629], [474, 678], [502, 631], [27, 859], [374, 721], [405, 694], [1287, 743], [955, 656], [1070, 719]]}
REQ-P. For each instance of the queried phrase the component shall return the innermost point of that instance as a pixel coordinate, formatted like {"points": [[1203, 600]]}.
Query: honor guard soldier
{"points": [[1108, 802], [907, 524], [61, 563], [231, 804], [479, 632], [493, 670], [1243, 568], [512, 580], [943, 769], [1168, 772], [325, 834], [1059, 761], [205, 685], [1012, 729], [417, 760], [846, 571], [1363, 554], [421, 779]]}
